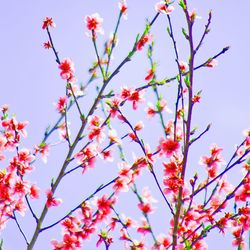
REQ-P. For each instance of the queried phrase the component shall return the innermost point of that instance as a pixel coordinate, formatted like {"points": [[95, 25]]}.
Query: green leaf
{"points": [[199, 92], [104, 234], [248, 161], [158, 105], [187, 81], [149, 54], [187, 245], [108, 121], [147, 28], [193, 131], [182, 4], [168, 30], [130, 54], [5, 116], [42, 144], [178, 78], [184, 33], [207, 228], [1, 244]]}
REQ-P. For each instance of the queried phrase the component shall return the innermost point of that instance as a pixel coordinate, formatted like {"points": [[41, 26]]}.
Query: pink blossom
{"points": [[136, 97], [138, 126], [112, 135], [67, 70], [43, 149], [48, 22], [97, 133], [123, 8], [47, 45], [114, 106], [61, 104], [212, 63], [144, 40], [183, 66], [150, 111], [20, 206], [163, 8], [51, 201], [63, 132], [34, 192], [87, 156], [94, 23], [149, 75], [94, 121], [168, 147], [107, 155], [121, 184]]}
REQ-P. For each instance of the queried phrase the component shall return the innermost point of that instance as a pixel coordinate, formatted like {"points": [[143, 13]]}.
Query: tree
{"points": [[167, 164]]}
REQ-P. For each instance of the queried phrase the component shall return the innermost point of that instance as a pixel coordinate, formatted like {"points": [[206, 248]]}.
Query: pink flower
{"points": [[97, 133], [183, 66], [121, 184], [123, 8], [20, 206], [94, 121], [94, 23], [212, 63], [63, 132], [144, 228], [107, 155], [34, 192], [47, 45], [87, 156], [67, 70], [47, 21], [139, 126], [192, 15], [168, 147], [61, 104], [145, 39], [43, 149], [51, 201], [163, 8], [150, 75], [25, 156], [163, 241], [150, 110], [104, 206], [136, 97], [146, 208], [112, 135]]}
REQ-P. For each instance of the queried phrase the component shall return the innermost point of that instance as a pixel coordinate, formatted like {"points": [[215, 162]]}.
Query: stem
{"points": [[19, 227], [188, 128], [30, 208], [75, 99], [113, 43]]}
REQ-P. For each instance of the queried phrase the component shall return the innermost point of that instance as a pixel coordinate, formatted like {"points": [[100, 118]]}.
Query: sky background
{"points": [[30, 81]]}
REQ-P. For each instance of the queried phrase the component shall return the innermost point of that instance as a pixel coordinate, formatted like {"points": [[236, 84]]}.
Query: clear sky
{"points": [[30, 80]]}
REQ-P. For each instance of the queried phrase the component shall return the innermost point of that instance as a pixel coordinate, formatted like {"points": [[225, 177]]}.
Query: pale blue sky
{"points": [[30, 80]]}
